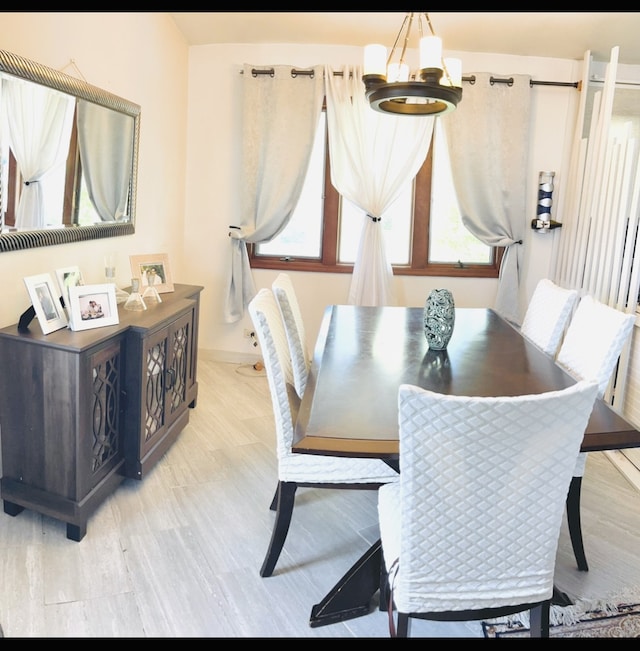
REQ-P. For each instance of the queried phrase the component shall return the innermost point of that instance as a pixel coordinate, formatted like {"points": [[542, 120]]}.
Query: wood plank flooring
{"points": [[178, 554]]}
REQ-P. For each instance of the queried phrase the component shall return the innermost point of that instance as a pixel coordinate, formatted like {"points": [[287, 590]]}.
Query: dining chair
{"points": [[548, 314], [294, 328], [298, 470], [470, 531], [592, 345]]}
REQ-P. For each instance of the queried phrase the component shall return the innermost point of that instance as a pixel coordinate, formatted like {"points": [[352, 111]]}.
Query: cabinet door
{"points": [[179, 360], [166, 372], [100, 433]]}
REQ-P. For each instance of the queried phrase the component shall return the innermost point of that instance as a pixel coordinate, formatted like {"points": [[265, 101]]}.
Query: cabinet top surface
{"points": [[172, 303]]}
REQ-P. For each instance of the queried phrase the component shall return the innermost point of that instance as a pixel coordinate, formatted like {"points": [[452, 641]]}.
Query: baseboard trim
{"points": [[227, 356]]}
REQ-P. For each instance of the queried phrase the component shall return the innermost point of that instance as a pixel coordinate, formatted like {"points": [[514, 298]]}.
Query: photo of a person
{"points": [[92, 309], [152, 274], [68, 277], [71, 279], [46, 300], [92, 306]]}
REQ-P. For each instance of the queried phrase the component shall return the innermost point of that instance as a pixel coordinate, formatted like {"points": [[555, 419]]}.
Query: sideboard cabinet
{"points": [[81, 411]]}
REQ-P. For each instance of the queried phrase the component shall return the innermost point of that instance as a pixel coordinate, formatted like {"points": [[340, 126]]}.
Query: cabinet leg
{"points": [[76, 531], [12, 509]]}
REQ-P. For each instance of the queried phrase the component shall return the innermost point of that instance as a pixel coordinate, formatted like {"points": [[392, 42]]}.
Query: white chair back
{"points": [[266, 318], [594, 341], [476, 515], [293, 467], [547, 315], [294, 327]]}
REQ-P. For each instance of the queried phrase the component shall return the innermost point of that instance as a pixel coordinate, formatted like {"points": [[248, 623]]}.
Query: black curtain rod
{"points": [[471, 79], [532, 82]]}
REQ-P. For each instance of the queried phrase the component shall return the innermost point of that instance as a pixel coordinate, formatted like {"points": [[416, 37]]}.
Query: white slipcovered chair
{"points": [[297, 470], [591, 348], [294, 327], [548, 314], [470, 530]]}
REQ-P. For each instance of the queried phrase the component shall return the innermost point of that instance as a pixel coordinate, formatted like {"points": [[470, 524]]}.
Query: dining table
{"points": [[350, 404]]}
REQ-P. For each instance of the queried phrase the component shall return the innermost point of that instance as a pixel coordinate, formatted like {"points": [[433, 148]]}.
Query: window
{"points": [[423, 232]]}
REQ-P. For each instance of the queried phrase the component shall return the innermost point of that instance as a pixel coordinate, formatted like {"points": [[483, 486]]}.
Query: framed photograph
{"points": [[68, 277], [152, 269], [46, 303], [92, 306]]}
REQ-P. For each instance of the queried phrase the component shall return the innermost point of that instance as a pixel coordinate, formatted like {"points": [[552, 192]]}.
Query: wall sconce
{"points": [[543, 222]]}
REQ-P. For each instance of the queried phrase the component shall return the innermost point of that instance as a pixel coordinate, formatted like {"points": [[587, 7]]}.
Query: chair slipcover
{"points": [[475, 517], [294, 328], [594, 340], [591, 348], [547, 315], [299, 469], [592, 345]]}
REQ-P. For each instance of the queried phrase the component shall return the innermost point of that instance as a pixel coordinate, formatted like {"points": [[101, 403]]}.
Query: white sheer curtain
{"points": [[280, 117], [488, 139], [39, 121], [105, 140], [372, 156]]}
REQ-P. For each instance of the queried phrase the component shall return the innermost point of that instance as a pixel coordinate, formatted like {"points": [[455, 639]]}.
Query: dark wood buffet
{"points": [[80, 411]]}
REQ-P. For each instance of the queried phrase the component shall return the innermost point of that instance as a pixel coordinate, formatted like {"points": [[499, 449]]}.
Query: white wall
{"points": [[139, 56], [213, 181]]}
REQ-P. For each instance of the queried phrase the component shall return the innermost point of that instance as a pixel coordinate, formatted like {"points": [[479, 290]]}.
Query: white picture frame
{"points": [[46, 303], [92, 306], [68, 277], [154, 265]]}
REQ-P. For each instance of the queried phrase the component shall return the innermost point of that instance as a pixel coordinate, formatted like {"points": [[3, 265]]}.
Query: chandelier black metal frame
{"points": [[438, 89]]}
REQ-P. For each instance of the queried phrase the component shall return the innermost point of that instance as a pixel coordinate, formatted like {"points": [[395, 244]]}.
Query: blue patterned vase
{"points": [[439, 318]]}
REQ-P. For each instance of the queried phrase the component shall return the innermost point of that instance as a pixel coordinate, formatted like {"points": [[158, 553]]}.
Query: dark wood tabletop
{"points": [[363, 354]]}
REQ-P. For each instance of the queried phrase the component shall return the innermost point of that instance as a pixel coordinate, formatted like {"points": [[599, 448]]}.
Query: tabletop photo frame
{"points": [[92, 306], [46, 303], [68, 277], [154, 269]]}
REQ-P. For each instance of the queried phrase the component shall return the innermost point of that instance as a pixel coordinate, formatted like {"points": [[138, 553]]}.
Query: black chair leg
{"points": [[286, 496], [573, 520], [384, 588], [274, 502], [539, 619], [404, 625]]}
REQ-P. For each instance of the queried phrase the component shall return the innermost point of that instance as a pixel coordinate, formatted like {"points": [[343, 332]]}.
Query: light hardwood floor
{"points": [[178, 554]]}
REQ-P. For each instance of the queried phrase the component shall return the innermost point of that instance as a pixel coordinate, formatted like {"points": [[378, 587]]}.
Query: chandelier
{"points": [[390, 87]]}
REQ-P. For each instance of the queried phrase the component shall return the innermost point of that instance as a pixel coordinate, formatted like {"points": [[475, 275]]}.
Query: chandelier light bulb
{"points": [[397, 72], [430, 52], [375, 60], [454, 69]]}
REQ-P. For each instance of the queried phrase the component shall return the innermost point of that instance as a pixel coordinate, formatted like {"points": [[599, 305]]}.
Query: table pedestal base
{"points": [[351, 596]]}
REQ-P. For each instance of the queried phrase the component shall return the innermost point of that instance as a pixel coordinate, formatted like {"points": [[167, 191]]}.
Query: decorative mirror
{"points": [[68, 158]]}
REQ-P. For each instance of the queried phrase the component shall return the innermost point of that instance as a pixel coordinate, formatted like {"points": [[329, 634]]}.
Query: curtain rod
{"points": [[471, 79]]}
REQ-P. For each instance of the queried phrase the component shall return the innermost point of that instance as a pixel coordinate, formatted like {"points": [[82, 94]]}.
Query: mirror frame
{"points": [[18, 66]]}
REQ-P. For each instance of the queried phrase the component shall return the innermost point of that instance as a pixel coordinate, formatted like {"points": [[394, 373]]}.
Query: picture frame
{"points": [[92, 306], [152, 266], [46, 303], [68, 277]]}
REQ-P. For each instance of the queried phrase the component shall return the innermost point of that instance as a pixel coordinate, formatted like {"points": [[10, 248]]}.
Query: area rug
{"points": [[583, 619]]}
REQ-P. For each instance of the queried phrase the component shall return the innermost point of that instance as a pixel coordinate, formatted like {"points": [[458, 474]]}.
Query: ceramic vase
{"points": [[439, 318]]}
